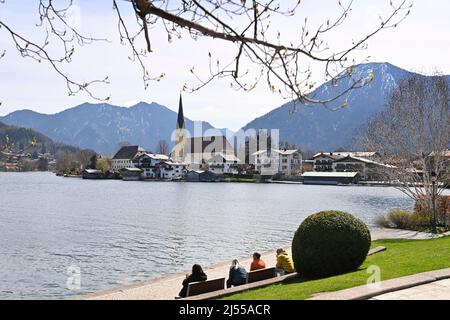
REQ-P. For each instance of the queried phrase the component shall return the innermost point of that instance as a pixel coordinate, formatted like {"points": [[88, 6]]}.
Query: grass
{"points": [[402, 258]]}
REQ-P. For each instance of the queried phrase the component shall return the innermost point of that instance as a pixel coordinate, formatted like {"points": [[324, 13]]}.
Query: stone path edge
{"points": [[365, 292]]}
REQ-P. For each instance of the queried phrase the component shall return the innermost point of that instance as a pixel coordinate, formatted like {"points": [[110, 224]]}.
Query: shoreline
{"points": [[167, 287]]}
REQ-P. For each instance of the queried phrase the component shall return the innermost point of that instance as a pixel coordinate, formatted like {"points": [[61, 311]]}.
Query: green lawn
{"points": [[402, 258]]}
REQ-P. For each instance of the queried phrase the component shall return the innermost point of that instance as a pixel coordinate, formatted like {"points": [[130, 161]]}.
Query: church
{"points": [[212, 153]]}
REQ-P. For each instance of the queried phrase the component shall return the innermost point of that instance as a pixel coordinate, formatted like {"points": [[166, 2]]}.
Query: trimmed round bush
{"points": [[328, 243]]}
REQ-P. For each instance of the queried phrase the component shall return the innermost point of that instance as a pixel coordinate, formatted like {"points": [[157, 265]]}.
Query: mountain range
{"points": [[18, 140], [316, 128], [102, 127]]}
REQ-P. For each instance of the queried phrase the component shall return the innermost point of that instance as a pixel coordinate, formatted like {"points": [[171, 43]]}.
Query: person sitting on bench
{"points": [[284, 264], [196, 275], [257, 262], [237, 275]]}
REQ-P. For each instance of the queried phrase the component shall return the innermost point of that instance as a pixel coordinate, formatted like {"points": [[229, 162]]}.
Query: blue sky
{"points": [[420, 43]]}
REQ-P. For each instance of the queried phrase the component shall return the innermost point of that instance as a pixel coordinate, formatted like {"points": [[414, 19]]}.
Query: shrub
{"points": [[399, 219], [419, 220], [382, 222], [329, 243]]}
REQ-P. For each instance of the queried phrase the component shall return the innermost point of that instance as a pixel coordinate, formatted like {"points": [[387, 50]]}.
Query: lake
{"points": [[118, 232]]}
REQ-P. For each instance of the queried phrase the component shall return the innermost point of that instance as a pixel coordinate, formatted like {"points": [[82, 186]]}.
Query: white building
{"points": [[277, 161], [324, 161], [124, 157], [171, 170], [148, 162], [223, 163], [367, 169], [199, 152]]}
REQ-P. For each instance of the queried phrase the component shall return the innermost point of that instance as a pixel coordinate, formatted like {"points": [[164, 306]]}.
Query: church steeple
{"points": [[180, 134], [180, 120]]}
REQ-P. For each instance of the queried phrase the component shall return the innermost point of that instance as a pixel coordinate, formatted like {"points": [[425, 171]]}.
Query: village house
{"points": [[366, 164], [223, 164], [200, 152], [149, 162], [367, 169], [324, 161], [201, 176], [287, 162], [171, 170], [125, 156], [330, 178]]}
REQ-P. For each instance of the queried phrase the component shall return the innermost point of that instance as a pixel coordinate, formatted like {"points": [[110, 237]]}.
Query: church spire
{"points": [[180, 120]]}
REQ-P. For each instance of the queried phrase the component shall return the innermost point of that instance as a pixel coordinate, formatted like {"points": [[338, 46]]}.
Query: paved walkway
{"points": [[438, 290], [167, 288]]}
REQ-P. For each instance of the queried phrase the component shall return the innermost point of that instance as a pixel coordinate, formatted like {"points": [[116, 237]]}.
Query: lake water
{"points": [[118, 232]]}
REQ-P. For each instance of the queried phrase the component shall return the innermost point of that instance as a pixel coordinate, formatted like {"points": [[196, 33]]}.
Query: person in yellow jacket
{"points": [[284, 264]]}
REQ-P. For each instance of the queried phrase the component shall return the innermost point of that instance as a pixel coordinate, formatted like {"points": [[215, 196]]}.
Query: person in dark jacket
{"points": [[196, 276], [237, 275]]}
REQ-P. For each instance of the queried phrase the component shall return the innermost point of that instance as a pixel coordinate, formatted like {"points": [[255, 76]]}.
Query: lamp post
{"points": [[433, 199]]}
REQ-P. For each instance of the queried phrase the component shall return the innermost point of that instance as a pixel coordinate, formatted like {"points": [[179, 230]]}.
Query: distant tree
{"points": [[250, 28], [162, 147], [413, 134], [27, 165], [103, 164], [43, 149], [42, 164], [93, 162], [83, 157]]}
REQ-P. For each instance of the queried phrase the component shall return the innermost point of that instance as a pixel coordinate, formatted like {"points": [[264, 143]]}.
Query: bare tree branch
{"points": [[246, 25], [54, 21]]}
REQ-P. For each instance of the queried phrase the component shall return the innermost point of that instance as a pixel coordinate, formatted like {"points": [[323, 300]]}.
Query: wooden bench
{"points": [[196, 288], [262, 274], [376, 250]]}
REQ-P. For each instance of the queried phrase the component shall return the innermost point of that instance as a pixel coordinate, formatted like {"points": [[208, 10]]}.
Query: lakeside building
{"points": [[92, 174], [275, 161], [131, 174], [330, 178], [125, 156], [201, 176], [224, 164], [134, 163], [210, 151], [171, 170], [149, 162], [367, 169], [365, 163], [323, 161]]}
